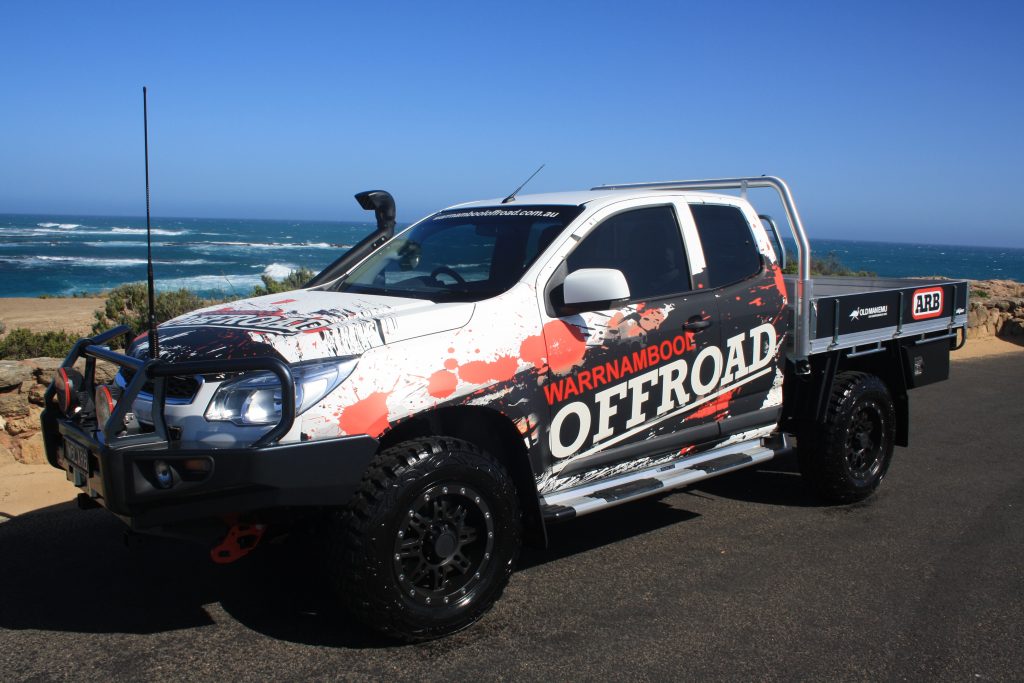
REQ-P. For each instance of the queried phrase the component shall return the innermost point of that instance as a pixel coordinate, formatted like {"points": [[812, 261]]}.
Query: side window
{"points": [[729, 249], [645, 244]]}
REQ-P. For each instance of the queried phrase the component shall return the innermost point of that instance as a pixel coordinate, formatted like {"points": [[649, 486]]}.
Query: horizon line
{"points": [[142, 217]]}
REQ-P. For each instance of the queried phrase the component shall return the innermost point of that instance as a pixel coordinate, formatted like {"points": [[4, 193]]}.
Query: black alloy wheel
{"points": [[429, 541], [443, 545], [846, 457], [864, 444]]}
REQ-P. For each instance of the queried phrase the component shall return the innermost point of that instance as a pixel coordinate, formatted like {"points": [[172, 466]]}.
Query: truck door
{"points": [[630, 379], [750, 292]]}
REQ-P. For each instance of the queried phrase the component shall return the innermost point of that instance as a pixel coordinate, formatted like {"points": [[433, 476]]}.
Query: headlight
{"points": [[255, 399]]}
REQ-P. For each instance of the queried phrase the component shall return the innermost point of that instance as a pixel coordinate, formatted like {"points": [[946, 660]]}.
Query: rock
{"points": [[26, 424], [36, 393], [6, 454], [43, 368], [13, 405], [105, 372], [1013, 328], [13, 373], [33, 452]]}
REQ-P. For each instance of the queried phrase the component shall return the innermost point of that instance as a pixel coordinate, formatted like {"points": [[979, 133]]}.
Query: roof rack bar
{"points": [[802, 333]]}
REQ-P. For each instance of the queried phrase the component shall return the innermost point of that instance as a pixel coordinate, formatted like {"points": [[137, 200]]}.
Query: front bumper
{"points": [[121, 472]]}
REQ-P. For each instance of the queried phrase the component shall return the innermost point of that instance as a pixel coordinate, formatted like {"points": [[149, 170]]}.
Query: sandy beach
{"points": [[24, 488], [46, 315]]}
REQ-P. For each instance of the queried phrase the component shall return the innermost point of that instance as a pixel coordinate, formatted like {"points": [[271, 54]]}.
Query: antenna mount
{"points": [[512, 196]]}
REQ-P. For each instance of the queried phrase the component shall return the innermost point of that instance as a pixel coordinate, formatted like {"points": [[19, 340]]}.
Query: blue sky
{"points": [[891, 121]]}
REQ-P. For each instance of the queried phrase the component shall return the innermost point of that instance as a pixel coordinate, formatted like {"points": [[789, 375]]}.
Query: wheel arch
{"points": [[493, 432], [806, 397]]}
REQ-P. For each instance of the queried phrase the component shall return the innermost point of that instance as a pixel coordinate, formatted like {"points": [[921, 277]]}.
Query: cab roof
{"points": [[594, 198]]}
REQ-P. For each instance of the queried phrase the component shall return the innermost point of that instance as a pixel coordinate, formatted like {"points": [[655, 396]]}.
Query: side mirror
{"points": [[594, 287]]}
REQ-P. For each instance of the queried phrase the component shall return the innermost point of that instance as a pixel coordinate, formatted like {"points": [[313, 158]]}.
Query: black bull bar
{"points": [[119, 468]]}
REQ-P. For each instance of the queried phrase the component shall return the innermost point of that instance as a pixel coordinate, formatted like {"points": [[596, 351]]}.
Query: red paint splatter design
{"points": [[366, 416], [481, 372], [442, 384], [716, 408], [532, 350], [779, 281], [561, 344]]}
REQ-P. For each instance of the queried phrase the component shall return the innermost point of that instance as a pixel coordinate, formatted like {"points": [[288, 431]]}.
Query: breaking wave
{"points": [[237, 284], [84, 262], [142, 231], [279, 271]]}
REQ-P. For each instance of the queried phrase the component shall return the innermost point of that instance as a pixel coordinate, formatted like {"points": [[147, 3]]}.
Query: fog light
{"points": [[106, 399], [67, 382], [163, 473], [198, 465]]}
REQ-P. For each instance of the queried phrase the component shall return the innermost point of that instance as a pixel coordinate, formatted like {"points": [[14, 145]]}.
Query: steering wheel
{"points": [[445, 270]]}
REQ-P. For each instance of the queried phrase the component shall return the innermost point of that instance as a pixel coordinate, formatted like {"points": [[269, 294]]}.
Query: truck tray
{"points": [[853, 311]]}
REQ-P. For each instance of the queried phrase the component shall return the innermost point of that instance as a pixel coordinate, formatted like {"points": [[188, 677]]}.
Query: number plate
{"points": [[77, 455]]}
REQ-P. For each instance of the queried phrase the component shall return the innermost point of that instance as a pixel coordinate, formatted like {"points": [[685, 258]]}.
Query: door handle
{"points": [[696, 323]]}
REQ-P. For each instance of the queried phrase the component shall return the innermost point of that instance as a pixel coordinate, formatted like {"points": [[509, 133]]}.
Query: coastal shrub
{"points": [[22, 343], [976, 293], [294, 280], [128, 305], [829, 265]]}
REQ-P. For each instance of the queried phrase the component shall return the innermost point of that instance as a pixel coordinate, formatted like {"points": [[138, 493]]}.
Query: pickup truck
{"points": [[438, 396]]}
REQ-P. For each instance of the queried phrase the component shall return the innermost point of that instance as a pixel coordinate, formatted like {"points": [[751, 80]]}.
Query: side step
{"points": [[580, 500]]}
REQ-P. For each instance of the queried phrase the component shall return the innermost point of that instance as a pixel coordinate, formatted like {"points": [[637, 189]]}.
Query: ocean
{"points": [[65, 255]]}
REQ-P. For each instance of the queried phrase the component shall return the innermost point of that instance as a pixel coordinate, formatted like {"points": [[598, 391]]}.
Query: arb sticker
{"points": [[927, 303]]}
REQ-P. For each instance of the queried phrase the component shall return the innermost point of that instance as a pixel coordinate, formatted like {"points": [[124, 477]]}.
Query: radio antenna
{"points": [[512, 196], [154, 345]]}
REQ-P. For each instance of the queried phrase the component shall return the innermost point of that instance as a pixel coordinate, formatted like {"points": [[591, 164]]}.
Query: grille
{"points": [[184, 388]]}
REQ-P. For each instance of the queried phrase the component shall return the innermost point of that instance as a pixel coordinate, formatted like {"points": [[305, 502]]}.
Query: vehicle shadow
{"points": [[576, 536], [70, 570], [776, 482]]}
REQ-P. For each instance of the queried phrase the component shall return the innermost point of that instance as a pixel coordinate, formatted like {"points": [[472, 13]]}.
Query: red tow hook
{"points": [[240, 540]]}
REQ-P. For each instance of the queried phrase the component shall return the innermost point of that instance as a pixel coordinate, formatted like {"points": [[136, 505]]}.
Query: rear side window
{"points": [[729, 249], [645, 244]]}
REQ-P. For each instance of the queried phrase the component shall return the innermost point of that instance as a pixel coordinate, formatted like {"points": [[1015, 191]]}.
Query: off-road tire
{"points": [[430, 511], [845, 458]]}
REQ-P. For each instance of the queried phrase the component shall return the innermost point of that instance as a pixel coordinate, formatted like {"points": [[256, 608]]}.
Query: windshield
{"points": [[461, 254]]}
